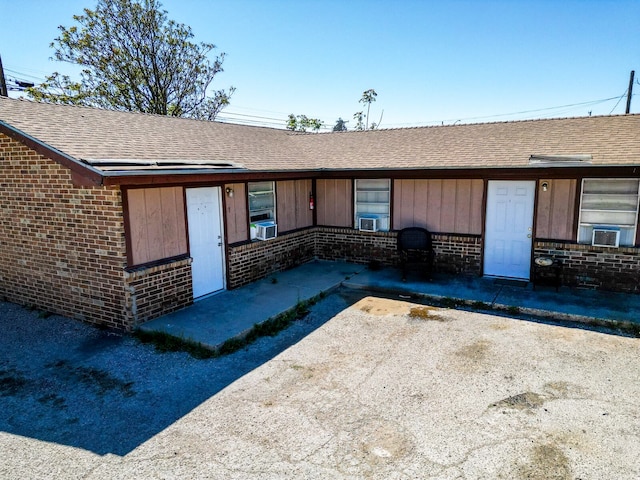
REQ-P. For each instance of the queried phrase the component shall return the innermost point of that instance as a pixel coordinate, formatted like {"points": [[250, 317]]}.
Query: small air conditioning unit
{"points": [[368, 224], [605, 237], [266, 230]]}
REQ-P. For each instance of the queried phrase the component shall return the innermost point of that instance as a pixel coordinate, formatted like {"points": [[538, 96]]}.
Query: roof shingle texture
{"points": [[87, 133]]}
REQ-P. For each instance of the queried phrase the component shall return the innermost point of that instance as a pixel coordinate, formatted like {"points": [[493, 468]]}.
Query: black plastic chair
{"points": [[415, 250]]}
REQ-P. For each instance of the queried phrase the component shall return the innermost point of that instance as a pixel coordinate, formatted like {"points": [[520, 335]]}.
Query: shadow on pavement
{"points": [[71, 384]]}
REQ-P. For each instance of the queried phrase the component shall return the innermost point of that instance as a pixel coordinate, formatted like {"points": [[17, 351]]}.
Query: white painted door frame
{"points": [[508, 237], [206, 239]]}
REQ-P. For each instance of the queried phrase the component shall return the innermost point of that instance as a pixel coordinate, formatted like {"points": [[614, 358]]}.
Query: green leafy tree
{"points": [[358, 117], [368, 97], [134, 58], [300, 123], [340, 126]]}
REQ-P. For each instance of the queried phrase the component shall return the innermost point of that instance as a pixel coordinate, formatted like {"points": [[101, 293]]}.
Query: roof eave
{"points": [[94, 176]]}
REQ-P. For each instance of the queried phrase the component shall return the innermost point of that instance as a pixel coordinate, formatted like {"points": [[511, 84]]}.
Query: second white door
{"points": [[509, 229], [204, 217]]}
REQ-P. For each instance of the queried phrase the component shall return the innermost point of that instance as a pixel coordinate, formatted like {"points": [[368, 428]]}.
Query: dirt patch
{"points": [[547, 462], [386, 306], [522, 401], [95, 378], [477, 351], [383, 306], [532, 400], [426, 313], [499, 326]]}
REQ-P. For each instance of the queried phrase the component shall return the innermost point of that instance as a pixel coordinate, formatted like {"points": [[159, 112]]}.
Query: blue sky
{"points": [[430, 62]]}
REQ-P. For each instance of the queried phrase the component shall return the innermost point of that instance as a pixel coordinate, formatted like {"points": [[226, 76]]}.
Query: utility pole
{"points": [[3, 83], [629, 91]]}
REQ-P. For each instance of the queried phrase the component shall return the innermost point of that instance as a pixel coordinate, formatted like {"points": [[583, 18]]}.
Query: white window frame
{"points": [[261, 201], [609, 203], [372, 199]]}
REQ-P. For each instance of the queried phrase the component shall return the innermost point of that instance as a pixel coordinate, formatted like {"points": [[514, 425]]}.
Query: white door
{"points": [[509, 229], [204, 217]]}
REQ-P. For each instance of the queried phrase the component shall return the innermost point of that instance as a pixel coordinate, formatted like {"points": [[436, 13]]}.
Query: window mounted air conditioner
{"points": [[605, 237], [266, 230], [368, 224]]}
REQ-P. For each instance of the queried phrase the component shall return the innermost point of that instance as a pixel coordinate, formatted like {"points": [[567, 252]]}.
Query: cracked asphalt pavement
{"points": [[364, 387]]}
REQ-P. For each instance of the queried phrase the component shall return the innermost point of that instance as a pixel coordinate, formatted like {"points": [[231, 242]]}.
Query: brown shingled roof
{"points": [[87, 133]]}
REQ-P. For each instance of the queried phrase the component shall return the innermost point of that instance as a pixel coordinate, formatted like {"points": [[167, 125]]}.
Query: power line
{"points": [[256, 119], [245, 118], [619, 100], [20, 74], [253, 116], [522, 112]]}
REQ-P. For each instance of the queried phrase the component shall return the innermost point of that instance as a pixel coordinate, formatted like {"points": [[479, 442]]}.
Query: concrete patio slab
{"points": [[214, 319], [228, 314], [570, 304]]}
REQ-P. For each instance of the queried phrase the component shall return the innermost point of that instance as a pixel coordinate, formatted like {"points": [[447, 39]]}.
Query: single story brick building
{"points": [[116, 218]]}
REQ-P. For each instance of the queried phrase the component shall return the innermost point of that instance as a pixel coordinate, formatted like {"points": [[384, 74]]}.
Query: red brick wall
{"points": [[255, 260], [156, 291], [62, 248], [460, 254], [614, 269], [349, 245], [454, 253]]}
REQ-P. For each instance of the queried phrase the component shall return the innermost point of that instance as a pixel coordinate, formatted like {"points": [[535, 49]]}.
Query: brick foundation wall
{"points": [[458, 254], [256, 260], [62, 247], [348, 245], [156, 291], [454, 253], [614, 269]]}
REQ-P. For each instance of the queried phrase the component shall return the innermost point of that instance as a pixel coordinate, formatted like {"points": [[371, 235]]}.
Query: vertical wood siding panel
{"points": [[462, 214], [543, 216], [573, 189], [434, 205], [138, 226], [237, 227], [451, 206], [396, 216], [304, 216], [154, 222], [556, 209], [408, 204], [403, 203], [477, 193], [334, 203], [562, 212], [180, 224], [298, 186], [169, 214], [448, 210], [321, 201], [346, 205], [421, 203], [286, 205]]}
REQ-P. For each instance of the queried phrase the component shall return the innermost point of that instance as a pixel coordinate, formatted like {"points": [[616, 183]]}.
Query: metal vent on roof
{"points": [[115, 164], [559, 160]]}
